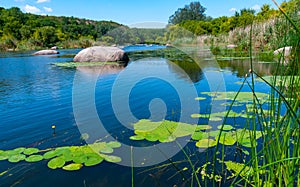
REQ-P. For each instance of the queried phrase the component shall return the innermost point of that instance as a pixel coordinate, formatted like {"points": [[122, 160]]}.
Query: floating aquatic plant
{"points": [[168, 131], [243, 97], [206, 143], [163, 131], [69, 158], [225, 127]]}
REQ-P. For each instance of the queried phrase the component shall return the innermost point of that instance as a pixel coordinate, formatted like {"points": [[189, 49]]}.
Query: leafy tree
{"points": [[46, 36], [194, 11]]}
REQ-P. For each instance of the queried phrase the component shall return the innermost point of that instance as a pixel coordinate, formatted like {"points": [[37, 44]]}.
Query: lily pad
{"points": [[227, 139], [213, 118], [114, 144], [199, 135], [206, 143], [200, 98], [34, 158], [30, 151], [163, 131], [238, 168], [225, 127], [16, 158], [72, 167], [55, 163], [50, 154], [107, 150], [19, 150], [111, 158], [80, 159], [203, 127], [199, 116], [137, 137], [93, 160]]}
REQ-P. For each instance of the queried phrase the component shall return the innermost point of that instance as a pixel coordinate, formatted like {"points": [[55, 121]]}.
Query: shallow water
{"points": [[34, 95]]}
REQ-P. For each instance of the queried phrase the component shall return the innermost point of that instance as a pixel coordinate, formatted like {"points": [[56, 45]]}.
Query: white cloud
{"points": [[256, 7], [42, 1], [19, 0], [233, 10], [48, 9], [32, 9]]}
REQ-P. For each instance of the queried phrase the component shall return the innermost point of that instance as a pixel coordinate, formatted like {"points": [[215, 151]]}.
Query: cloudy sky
{"points": [[129, 11]]}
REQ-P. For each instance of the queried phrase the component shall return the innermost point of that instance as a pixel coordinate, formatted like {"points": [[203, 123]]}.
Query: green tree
{"points": [[193, 11], [46, 36]]}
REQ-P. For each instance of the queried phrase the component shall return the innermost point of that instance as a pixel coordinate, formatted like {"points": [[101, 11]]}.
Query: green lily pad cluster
{"points": [[69, 158], [163, 131], [20, 154], [218, 116], [168, 131], [228, 136], [243, 97]]}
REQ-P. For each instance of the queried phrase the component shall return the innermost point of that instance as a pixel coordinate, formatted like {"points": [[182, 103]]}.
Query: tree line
{"points": [[24, 31], [192, 18]]}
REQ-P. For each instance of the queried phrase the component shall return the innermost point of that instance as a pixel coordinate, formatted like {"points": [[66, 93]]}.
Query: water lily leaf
{"points": [[55, 163], [72, 167], [114, 144], [80, 159], [3, 157], [30, 151], [137, 137], [50, 154], [225, 127], [206, 143], [238, 168], [214, 133], [199, 135], [19, 150], [151, 137], [200, 98], [107, 150], [213, 118], [199, 116], [227, 139], [203, 127], [111, 158], [168, 139], [93, 159], [34, 158], [16, 158]]}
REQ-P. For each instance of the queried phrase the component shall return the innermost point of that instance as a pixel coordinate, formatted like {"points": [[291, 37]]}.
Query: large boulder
{"points": [[46, 52], [101, 54]]}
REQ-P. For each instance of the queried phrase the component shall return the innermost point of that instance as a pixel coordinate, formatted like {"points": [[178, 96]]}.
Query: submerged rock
{"points": [[46, 52], [101, 54]]}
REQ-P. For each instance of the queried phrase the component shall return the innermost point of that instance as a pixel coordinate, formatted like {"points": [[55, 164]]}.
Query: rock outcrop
{"points": [[101, 54]]}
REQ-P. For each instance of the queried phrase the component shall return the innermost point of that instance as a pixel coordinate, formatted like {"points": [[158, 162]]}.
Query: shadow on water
{"points": [[241, 67], [175, 57], [101, 70]]}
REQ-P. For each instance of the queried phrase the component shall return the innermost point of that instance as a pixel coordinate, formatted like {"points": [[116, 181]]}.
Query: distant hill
{"points": [[28, 31]]}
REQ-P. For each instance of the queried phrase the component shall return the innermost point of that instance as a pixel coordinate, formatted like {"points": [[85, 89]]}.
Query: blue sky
{"points": [[131, 11]]}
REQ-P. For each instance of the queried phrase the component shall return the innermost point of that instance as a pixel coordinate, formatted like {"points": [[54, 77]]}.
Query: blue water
{"points": [[35, 94]]}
